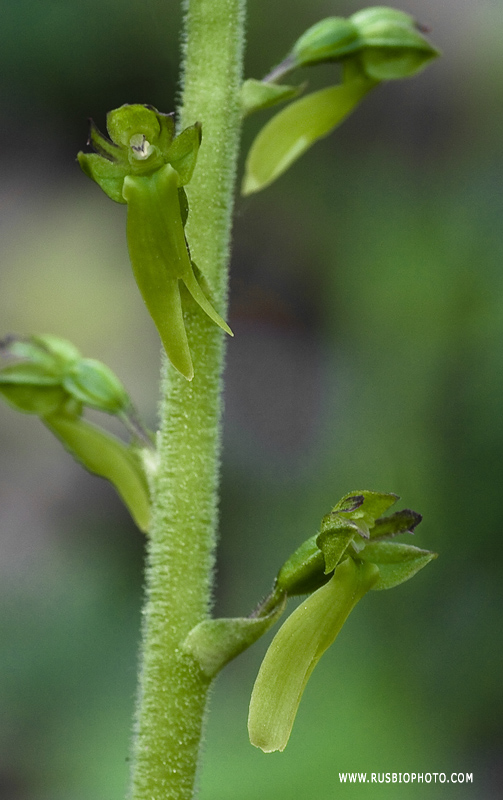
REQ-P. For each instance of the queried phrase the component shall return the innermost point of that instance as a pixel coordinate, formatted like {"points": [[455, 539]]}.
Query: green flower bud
{"points": [[389, 42], [50, 361], [54, 382], [297, 648]]}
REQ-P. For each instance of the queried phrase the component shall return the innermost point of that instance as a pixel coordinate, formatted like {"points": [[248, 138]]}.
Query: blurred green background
{"points": [[367, 302]]}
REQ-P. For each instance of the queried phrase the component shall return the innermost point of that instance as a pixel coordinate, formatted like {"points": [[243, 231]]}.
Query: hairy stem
{"points": [[173, 691]]}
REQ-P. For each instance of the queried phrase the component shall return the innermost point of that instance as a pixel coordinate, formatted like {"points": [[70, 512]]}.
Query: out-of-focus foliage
{"points": [[367, 303]]}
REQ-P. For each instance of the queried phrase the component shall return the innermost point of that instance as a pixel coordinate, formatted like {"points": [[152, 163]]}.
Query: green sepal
{"points": [[297, 648], [27, 374], [393, 46], [334, 539], [304, 571], [215, 642], [105, 455], [167, 130], [60, 351], [160, 260], [32, 388], [109, 176], [400, 522], [182, 155], [349, 503], [367, 18], [45, 350], [132, 120], [393, 63], [365, 513], [297, 127], [331, 39], [95, 385], [51, 361], [396, 562], [33, 400], [258, 95]]}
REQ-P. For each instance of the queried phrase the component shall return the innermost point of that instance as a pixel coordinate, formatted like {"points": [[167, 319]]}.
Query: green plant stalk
{"points": [[173, 690]]}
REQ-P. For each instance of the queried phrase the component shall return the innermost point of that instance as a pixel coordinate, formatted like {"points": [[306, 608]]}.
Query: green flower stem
{"points": [[173, 689]]}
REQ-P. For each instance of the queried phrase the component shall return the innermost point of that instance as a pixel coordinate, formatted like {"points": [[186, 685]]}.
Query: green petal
{"points": [[295, 129], [400, 522], [104, 147], [295, 651], [167, 131], [182, 155]]}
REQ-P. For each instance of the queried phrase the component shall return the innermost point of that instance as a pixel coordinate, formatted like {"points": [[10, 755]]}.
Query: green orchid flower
{"points": [[351, 554], [146, 166]]}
